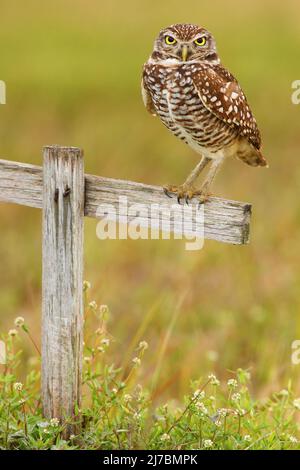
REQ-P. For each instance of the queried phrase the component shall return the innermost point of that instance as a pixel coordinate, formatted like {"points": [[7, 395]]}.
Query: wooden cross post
{"points": [[62, 311], [66, 195]]}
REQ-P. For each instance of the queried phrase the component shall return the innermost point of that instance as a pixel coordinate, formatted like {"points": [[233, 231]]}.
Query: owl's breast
{"points": [[177, 103], [174, 99], [184, 103]]}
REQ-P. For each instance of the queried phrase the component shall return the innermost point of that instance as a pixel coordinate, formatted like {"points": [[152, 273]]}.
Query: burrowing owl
{"points": [[196, 98]]}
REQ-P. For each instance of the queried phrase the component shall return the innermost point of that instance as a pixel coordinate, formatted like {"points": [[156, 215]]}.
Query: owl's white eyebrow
{"points": [[171, 61]]}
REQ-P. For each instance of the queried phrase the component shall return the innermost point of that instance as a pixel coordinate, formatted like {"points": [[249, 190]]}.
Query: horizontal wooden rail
{"points": [[224, 220], [65, 194]]}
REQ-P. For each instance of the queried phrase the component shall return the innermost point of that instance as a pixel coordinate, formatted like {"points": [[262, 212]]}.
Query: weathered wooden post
{"points": [[62, 310], [66, 195]]}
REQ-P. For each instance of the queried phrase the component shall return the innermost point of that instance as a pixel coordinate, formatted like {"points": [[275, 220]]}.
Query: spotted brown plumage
{"points": [[220, 92], [200, 102]]}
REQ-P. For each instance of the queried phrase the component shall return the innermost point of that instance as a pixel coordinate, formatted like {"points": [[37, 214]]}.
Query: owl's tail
{"points": [[251, 155]]}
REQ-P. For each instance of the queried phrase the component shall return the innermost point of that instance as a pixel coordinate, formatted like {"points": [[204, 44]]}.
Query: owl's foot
{"points": [[186, 193]]}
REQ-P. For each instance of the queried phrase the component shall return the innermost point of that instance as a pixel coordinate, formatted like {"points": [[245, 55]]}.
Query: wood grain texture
{"points": [[62, 310], [21, 183], [224, 220]]}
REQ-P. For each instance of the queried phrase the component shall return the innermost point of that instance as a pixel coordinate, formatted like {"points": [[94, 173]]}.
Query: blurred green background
{"points": [[72, 70]]}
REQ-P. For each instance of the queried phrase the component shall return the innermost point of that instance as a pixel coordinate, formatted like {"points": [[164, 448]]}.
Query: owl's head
{"points": [[185, 42]]}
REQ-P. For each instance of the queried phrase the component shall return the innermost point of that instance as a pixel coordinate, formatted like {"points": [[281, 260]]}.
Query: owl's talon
{"points": [[204, 197], [167, 192], [183, 192]]}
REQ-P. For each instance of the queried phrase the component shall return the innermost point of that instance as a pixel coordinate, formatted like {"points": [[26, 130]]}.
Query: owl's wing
{"points": [[221, 94], [147, 98]]}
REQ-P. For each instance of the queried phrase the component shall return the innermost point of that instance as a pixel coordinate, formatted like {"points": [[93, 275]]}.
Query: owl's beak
{"points": [[184, 52]]}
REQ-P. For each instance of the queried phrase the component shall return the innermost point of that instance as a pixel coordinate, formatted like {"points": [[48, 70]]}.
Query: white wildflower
{"points": [[127, 398], [165, 437], [240, 412], [103, 309], [293, 440], [201, 407], [232, 383], [207, 443], [223, 412], [236, 397], [54, 422], [296, 403], [12, 333], [18, 386], [199, 394], [93, 305], [87, 359], [247, 438], [213, 380], [105, 341], [19, 321], [284, 393], [143, 345], [86, 285]]}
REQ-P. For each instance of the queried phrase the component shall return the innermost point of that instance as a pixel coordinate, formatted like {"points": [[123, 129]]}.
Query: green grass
{"points": [[118, 413]]}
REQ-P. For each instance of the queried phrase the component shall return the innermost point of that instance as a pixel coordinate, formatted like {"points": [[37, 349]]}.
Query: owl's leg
{"points": [[196, 172], [186, 190], [204, 190]]}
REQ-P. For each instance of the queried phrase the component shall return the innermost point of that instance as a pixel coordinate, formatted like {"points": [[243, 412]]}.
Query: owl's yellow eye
{"points": [[200, 41], [170, 40]]}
